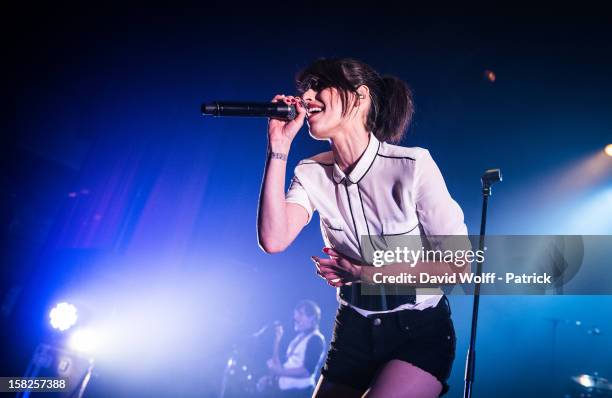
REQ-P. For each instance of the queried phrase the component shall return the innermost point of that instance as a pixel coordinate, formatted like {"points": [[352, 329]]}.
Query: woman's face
{"points": [[325, 123]]}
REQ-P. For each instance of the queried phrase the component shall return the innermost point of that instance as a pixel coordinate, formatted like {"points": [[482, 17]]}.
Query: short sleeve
{"points": [[297, 194], [438, 213]]}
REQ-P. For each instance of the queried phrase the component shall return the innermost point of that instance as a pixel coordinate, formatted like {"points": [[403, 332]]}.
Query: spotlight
{"points": [[490, 76], [586, 381], [63, 316], [83, 340], [608, 150]]}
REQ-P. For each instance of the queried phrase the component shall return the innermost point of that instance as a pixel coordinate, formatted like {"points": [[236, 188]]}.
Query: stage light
{"points": [[63, 316], [586, 381], [83, 340], [490, 76], [608, 150]]}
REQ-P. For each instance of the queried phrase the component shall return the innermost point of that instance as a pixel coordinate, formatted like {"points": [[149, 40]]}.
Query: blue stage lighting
{"points": [[84, 341], [63, 316]]}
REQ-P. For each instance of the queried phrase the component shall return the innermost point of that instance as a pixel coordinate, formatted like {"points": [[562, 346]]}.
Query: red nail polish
{"points": [[326, 250]]}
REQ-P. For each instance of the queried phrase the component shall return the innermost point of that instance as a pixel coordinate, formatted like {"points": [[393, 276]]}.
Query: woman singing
{"points": [[386, 345]]}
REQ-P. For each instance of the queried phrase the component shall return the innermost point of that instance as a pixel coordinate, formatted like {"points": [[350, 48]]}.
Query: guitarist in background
{"points": [[295, 377]]}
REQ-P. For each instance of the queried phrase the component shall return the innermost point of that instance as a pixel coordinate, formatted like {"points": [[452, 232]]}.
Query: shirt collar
{"points": [[363, 164]]}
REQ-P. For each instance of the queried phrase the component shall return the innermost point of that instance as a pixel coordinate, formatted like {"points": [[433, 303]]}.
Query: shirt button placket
{"points": [[357, 213]]}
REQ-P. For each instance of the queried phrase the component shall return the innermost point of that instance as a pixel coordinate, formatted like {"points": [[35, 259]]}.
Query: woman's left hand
{"points": [[338, 270]]}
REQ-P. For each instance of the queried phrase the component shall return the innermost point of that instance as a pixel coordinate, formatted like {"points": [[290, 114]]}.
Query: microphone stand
{"points": [[488, 178]]}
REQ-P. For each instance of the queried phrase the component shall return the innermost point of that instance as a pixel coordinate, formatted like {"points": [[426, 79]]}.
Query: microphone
{"points": [[277, 110], [491, 176]]}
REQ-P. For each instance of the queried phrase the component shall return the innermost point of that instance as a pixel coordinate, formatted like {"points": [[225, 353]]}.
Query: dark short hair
{"points": [[310, 308], [392, 107]]}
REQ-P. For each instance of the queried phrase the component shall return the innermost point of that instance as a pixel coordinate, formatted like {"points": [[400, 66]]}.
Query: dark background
{"points": [[120, 197]]}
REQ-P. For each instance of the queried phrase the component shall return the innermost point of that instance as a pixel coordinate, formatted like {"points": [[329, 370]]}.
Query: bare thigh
{"points": [[329, 389], [399, 379]]}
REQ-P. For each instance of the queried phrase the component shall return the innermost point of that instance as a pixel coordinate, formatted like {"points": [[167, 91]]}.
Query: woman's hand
{"points": [[282, 132], [338, 270]]}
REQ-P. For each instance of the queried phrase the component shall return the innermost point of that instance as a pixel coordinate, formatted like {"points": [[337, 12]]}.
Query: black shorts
{"points": [[361, 346]]}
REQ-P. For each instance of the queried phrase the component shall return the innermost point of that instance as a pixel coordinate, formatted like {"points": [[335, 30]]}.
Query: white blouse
{"points": [[391, 191]]}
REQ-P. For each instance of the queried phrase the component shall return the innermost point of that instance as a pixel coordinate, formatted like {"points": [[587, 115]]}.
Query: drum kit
{"points": [[582, 385]]}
